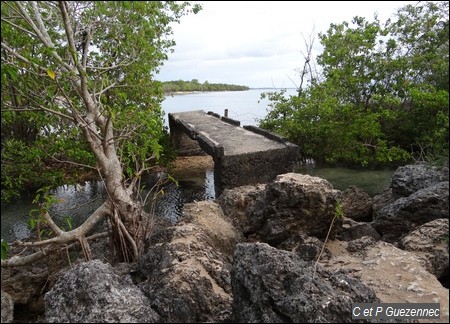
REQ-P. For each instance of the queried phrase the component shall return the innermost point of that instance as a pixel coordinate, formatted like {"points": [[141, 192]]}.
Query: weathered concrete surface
{"points": [[242, 156]]}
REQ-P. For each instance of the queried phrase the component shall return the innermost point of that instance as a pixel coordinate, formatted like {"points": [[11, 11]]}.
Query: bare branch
{"points": [[26, 31], [75, 234], [74, 163], [55, 228], [22, 58], [18, 261], [45, 38], [69, 35], [40, 24], [40, 108]]}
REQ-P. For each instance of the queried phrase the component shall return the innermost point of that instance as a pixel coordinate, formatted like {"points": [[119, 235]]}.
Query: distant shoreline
{"points": [[180, 93]]}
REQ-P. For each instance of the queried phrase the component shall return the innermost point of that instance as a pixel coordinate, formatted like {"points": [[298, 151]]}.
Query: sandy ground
{"points": [[192, 165]]}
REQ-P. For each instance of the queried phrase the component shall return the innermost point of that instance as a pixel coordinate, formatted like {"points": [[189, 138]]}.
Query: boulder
{"points": [[7, 308], [396, 276], [408, 179], [91, 292], [186, 270], [407, 213], [308, 248], [382, 200], [291, 204], [352, 230], [273, 286], [357, 204], [430, 243], [236, 203]]}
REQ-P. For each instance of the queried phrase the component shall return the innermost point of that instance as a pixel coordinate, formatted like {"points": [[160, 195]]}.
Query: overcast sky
{"points": [[257, 43]]}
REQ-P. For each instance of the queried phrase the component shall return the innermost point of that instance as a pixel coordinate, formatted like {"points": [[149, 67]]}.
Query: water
{"points": [[79, 201], [373, 182], [76, 202], [245, 106]]}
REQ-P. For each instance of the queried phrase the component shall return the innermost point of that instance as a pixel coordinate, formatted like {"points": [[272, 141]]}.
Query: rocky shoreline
{"points": [[251, 256]]}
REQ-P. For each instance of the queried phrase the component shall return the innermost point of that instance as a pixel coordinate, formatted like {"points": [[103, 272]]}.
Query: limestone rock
{"points": [[407, 213], [7, 308], [352, 230], [430, 243], [273, 286], [396, 276], [411, 178], [91, 292], [186, 271], [357, 204], [291, 204], [237, 202]]}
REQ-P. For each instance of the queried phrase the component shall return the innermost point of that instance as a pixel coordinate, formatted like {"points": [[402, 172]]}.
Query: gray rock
{"points": [[430, 243], [237, 202], [352, 230], [306, 247], [361, 245], [186, 271], [272, 285], [382, 200], [411, 178], [407, 213], [357, 204], [91, 292], [396, 276], [291, 204], [7, 308]]}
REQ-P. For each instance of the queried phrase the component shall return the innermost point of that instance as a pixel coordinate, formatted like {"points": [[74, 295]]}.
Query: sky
{"points": [[258, 44]]}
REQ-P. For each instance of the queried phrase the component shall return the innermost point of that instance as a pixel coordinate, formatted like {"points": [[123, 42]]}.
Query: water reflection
{"points": [[373, 182], [79, 201]]}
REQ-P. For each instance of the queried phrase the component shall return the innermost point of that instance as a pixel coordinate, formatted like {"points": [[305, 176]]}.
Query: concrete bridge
{"points": [[242, 155]]}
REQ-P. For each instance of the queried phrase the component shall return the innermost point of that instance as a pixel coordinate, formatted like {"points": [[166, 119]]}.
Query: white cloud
{"points": [[257, 44]]}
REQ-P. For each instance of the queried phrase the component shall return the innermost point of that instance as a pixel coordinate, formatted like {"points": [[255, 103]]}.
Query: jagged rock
{"points": [[352, 230], [7, 308], [430, 243], [27, 284], [187, 269], [357, 204], [308, 248], [396, 276], [91, 292], [407, 213], [272, 285], [382, 200], [236, 203], [361, 245], [291, 204], [411, 178], [24, 283]]}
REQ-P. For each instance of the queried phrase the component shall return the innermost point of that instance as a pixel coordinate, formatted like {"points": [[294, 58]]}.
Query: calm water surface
{"points": [[245, 106], [79, 201]]}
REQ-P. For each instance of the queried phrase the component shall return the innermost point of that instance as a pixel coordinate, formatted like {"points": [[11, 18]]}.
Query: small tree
{"points": [[382, 95], [84, 71]]}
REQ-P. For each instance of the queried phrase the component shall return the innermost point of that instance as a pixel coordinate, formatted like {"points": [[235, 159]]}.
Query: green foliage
{"points": [[37, 222], [338, 210], [5, 248], [68, 221], [130, 40], [23, 167], [194, 85], [382, 96]]}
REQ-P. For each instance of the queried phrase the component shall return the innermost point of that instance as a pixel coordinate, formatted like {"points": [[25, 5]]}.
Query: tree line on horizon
{"points": [[195, 85]]}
